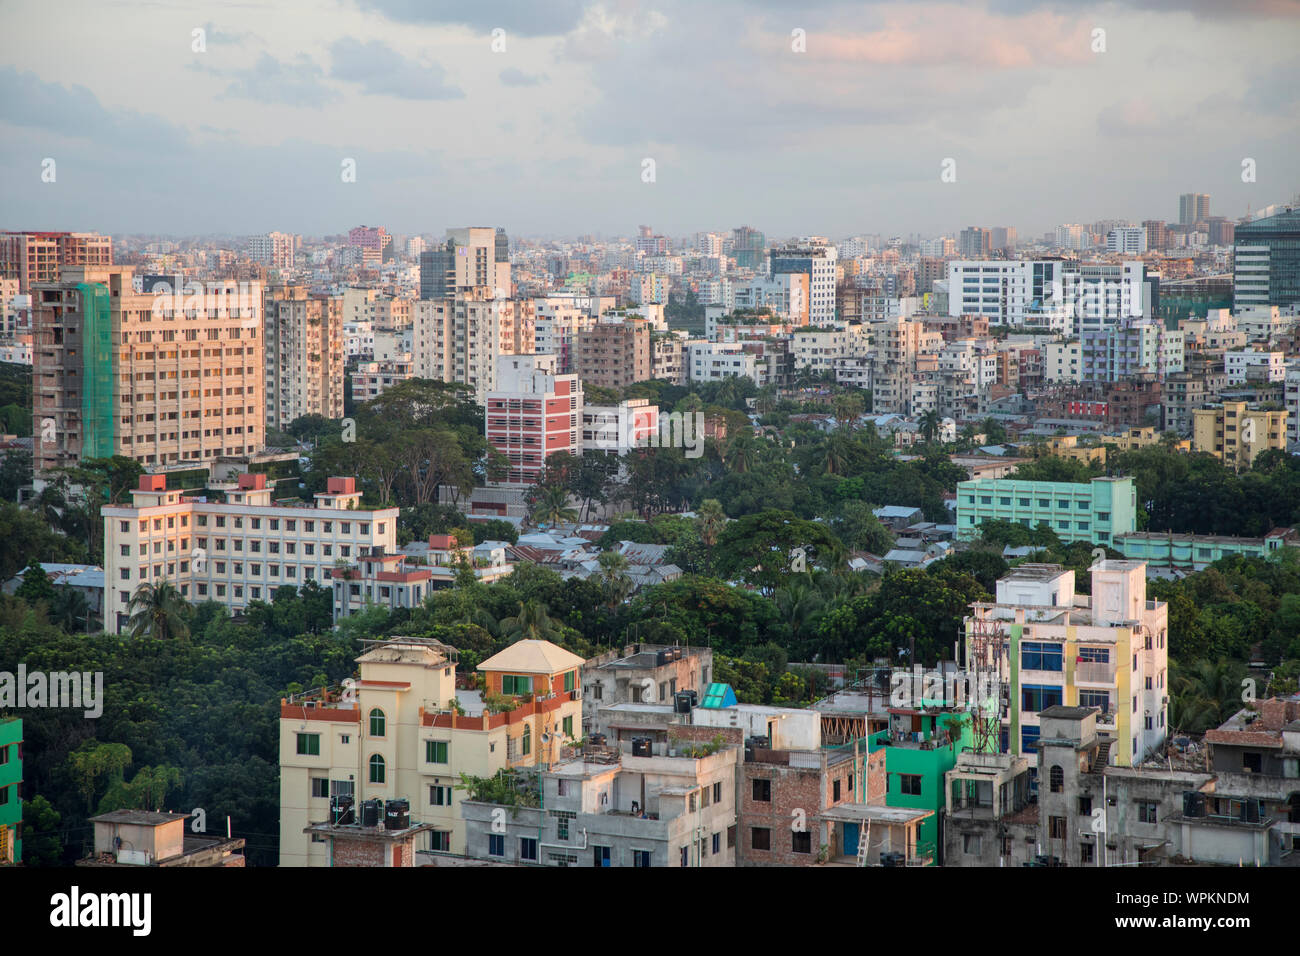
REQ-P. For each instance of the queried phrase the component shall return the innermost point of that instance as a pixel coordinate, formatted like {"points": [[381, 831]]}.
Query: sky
{"points": [[566, 118]]}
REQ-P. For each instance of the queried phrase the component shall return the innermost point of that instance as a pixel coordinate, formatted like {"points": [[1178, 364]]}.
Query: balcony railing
{"points": [[1094, 672]]}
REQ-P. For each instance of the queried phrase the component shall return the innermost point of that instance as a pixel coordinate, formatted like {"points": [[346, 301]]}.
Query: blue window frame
{"points": [[1095, 698], [1039, 656], [1038, 697], [1028, 740], [496, 844], [1095, 655]]}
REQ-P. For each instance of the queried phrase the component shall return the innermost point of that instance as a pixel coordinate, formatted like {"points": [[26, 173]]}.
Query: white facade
{"points": [[1271, 366]]}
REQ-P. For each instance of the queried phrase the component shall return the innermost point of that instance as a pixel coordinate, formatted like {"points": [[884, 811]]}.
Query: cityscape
{"points": [[695, 529]]}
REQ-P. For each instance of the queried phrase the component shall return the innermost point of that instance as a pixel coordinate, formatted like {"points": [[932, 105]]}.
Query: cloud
{"points": [[381, 71], [512, 77], [296, 83], [523, 17]]}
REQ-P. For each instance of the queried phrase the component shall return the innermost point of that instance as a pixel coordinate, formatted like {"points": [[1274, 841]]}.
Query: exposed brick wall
{"points": [[797, 794]]}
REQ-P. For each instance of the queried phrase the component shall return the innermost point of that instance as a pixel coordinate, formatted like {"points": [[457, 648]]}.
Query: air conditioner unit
{"points": [[577, 693]]}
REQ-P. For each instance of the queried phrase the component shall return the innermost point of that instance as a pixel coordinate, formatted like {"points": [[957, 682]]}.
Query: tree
{"points": [[613, 577], [772, 547], [859, 529], [94, 761], [36, 585], [930, 425], [41, 843], [530, 623], [159, 611], [552, 507], [711, 519]]}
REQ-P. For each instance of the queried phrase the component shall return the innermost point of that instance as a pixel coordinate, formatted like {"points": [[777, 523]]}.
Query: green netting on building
{"points": [[97, 372]]}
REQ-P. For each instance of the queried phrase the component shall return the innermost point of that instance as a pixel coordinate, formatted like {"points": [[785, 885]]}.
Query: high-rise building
{"points": [[614, 354], [1053, 295], [154, 377], [974, 242], [532, 413], [304, 355], [459, 339], [470, 258], [1220, 230], [1127, 240], [272, 249], [749, 246], [1131, 348], [371, 237], [1003, 239], [32, 257], [814, 257], [1193, 208], [1266, 261], [1157, 234]]}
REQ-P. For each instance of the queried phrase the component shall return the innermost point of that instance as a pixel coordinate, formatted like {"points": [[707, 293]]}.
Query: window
{"points": [[1148, 811], [760, 838], [1038, 697], [1037, 656], [717, 843], [1056, 827], [435, 751], [835, 791], [1085, 806], [910, 784], [600, 856], [1086, 851], [971, 844], [1029, 740], [376, 769], [799, 842], [514, 684], [496, 844], [1056, 779], [439, 796], [717, 792], [528, 848], [763, 791], [320, 787], [440, 840], [527, 740], [640, 857], [376, 723], [570, 680], [309, 744], [567, 726]]}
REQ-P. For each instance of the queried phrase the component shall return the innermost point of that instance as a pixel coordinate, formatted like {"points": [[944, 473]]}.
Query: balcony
{"points": [[1094, 672]]}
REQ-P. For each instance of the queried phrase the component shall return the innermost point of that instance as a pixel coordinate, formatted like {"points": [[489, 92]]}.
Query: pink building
{"points": [[533, 413]]}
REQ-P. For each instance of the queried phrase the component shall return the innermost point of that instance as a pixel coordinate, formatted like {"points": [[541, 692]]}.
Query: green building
{"points": [[919, 750], [1196, 552], [1097, 511], [11, 787]]}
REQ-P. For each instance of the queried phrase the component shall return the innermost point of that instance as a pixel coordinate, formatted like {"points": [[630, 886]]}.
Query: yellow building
{"points": [[1067, 446], [1235, 433], [1141, 437], [402, 731]]}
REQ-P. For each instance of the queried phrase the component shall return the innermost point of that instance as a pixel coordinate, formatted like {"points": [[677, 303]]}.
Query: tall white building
{"points": [[1062, 298], [1127, 240], [460, 339], [815, 257], [274, 249]]}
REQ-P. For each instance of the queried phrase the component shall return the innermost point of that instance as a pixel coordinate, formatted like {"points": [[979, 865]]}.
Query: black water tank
{"points": [[371, 812], [684, 700], [663, 657], [642, 747], [677, 653], [1193, 804], [397, 814], [893, 859], [342, 811]]}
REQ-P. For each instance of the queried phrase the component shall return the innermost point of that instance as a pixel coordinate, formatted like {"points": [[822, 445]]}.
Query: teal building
{"points": [[1097, 511]]}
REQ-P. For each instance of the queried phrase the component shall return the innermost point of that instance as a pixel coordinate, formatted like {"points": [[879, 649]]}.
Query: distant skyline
{"points": [[548, 137]]}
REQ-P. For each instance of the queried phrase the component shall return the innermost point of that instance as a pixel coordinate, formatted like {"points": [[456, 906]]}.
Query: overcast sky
{"points": [[549, 136]]}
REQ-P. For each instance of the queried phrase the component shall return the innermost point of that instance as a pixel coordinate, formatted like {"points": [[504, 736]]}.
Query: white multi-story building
{"points": [[1048, 646], [938, 248], [1291, 400], [714, 361], [1253, 363], [274, 249], [1063, 362], [233, 551], [1127, 240], [304, 355], [460, 339], [1061, 298], [815, 257]]}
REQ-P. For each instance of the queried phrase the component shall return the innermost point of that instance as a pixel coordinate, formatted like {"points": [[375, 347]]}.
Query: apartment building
{"points": [[1254, 365], [11, 790], [304, 355], [667, 357], [1049, 646], [273, 249], [1128, 349], [1053, 296], [1184, 393], [32, 257], [814, 257], [474, 259], [161, 379], [1095, 511], [614, 354], [372, 379], [1236, 432], [403, 734], [461, 339], [638, 807], [988, 817], [532, 414], [232, 551], [641, 674], [619, 428], [1266, 261], [901, 350], [1291, 402]]}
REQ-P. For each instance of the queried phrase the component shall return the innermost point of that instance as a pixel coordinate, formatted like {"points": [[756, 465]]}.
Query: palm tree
{"points": [[613, 577], [159, 611], [930, 424], [848, 406], [553, 507], [742, 452], [531, 623], [711, 519]]}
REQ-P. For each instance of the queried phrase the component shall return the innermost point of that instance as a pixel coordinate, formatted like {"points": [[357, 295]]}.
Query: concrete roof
{"points": [[855, 812], [532, 657]]}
